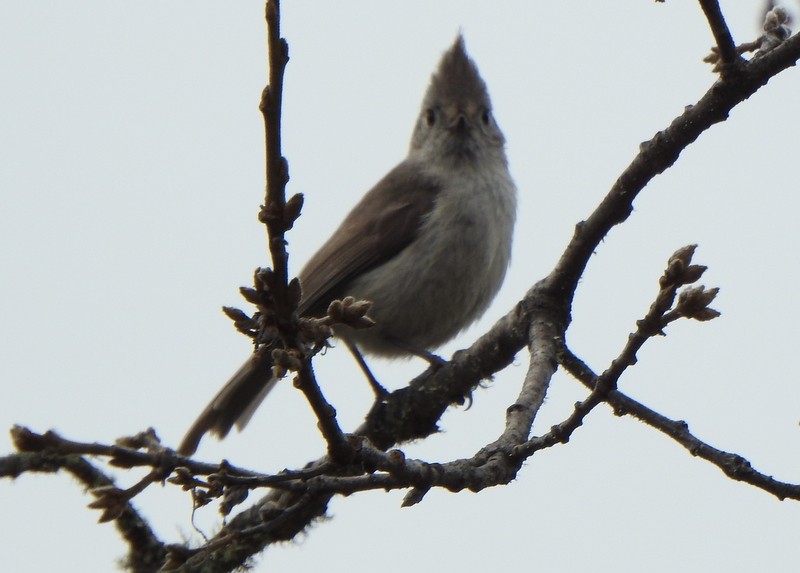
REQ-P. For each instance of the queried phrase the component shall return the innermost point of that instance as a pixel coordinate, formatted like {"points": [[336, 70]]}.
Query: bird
{"points": [[428, 245]]}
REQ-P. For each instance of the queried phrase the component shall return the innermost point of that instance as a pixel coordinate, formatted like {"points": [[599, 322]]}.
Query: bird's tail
{"points": [[235, 403]]}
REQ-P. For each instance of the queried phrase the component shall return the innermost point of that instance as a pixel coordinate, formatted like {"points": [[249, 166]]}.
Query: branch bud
{"points": [[693, 303]]}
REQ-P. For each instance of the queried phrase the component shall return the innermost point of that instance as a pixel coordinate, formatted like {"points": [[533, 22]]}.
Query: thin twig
{"points": [[25, 440], [277, 169], [339, 450], [692, 303], [733, 465], [146, 551], [722, 35]]}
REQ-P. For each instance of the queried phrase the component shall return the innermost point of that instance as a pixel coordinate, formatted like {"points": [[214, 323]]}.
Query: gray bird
{"points": [[428, 245]]}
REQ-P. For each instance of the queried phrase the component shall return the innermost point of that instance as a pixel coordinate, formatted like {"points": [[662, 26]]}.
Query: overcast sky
{"points": [[130, 180]]}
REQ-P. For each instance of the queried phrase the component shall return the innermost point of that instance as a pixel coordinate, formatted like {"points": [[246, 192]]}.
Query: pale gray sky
{"points": [[130, 180]]}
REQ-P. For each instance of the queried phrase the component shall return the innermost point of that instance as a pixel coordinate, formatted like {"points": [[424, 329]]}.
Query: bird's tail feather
{"points": [[235, 403]]}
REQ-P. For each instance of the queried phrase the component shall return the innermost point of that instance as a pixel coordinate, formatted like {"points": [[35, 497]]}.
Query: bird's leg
{"points": [[377, 387], [434, 360]]}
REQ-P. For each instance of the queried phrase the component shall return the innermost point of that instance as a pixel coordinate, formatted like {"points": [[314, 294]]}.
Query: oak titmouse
{"points": [[428, 245]]}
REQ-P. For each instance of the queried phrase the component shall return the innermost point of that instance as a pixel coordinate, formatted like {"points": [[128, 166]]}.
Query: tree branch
{"points": [[722, 35], [733, 465], [273, 213], [145, 551], [539, 321]]}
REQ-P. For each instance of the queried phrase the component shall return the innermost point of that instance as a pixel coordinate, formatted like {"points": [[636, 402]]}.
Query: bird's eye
{"points": [[430, 117], [486, 117]]}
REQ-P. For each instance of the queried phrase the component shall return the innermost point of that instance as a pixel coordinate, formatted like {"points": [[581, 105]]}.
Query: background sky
{"points": [[130, 180]]}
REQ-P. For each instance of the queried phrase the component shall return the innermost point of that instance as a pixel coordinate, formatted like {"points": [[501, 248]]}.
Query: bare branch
{"points": [[358, 463], [145, 551], [722, 35], [679, 272], [521, 414], [273, 214], [339, 450], [776, 31], [733, 465]]}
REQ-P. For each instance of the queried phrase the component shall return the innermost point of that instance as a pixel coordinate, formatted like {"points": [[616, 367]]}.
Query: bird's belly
{"points": [[429, 292]]}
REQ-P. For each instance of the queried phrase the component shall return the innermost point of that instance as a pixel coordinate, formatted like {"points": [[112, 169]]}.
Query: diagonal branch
{"points": [[339, 450], [733, 465], [692, 303], [521, 414]]}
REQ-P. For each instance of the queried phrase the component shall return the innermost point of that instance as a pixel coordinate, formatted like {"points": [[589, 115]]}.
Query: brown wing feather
{"points": [[379, 226]]}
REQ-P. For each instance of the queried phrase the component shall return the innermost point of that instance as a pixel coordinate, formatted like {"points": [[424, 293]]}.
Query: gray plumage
{"points": [[429, 244]]}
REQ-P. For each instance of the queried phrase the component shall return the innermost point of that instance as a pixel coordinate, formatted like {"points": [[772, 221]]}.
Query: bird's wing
{"points": [[381, 225]]}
